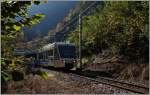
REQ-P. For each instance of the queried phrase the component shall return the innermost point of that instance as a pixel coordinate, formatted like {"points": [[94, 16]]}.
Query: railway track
{"points": [[126, 83], [123, 85], [108, 81], [118, 84]]}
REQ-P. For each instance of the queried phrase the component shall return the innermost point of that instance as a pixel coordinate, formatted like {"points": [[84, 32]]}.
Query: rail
{"points": [[109, 81]]}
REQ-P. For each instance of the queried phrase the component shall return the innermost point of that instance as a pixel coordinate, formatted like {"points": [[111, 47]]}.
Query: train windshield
{"points": [[67, 51]]}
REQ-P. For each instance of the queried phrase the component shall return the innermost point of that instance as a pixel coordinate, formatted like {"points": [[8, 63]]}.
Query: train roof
{"points": [[23, 52], [52, 45]]}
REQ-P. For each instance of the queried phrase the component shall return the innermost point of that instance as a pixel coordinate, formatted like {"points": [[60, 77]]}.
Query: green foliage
{"points": [[35, 18], [5, 76], [120, 26], [13, 11], [13, 17], [9, 65], [17, 75], [16, 28], [43, 74]]}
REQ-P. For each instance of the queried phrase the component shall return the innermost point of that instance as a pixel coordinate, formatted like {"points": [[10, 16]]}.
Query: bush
{"points": [[17, 75]]}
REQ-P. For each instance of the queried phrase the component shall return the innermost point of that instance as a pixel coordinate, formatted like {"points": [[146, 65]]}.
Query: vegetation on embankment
{"points": [[121, 27], [14, 16], [118, 67]]}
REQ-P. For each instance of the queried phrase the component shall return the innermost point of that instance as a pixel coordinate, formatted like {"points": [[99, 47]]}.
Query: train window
{"points": [[56, 53], [66, 51], [50, 52]]}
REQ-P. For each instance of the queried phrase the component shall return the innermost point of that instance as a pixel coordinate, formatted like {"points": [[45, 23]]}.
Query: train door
{"points": [[58, 62], [50, 58]]}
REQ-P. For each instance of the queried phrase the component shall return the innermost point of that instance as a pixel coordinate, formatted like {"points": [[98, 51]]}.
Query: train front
{"points": [[67, 53]]}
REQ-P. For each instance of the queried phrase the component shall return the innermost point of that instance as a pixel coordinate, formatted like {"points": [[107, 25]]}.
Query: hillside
{"points": [[117, 67]]}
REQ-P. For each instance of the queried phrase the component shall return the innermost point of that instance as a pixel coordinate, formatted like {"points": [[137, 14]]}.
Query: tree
{"points": [[120, 26], [13, 17]]}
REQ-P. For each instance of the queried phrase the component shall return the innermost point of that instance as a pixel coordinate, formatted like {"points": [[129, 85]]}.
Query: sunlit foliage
{"points": [[121, 26], [13, 17]]}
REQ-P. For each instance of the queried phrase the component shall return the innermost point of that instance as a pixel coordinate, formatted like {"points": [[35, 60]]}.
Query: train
{"points": [[58, 55]]}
